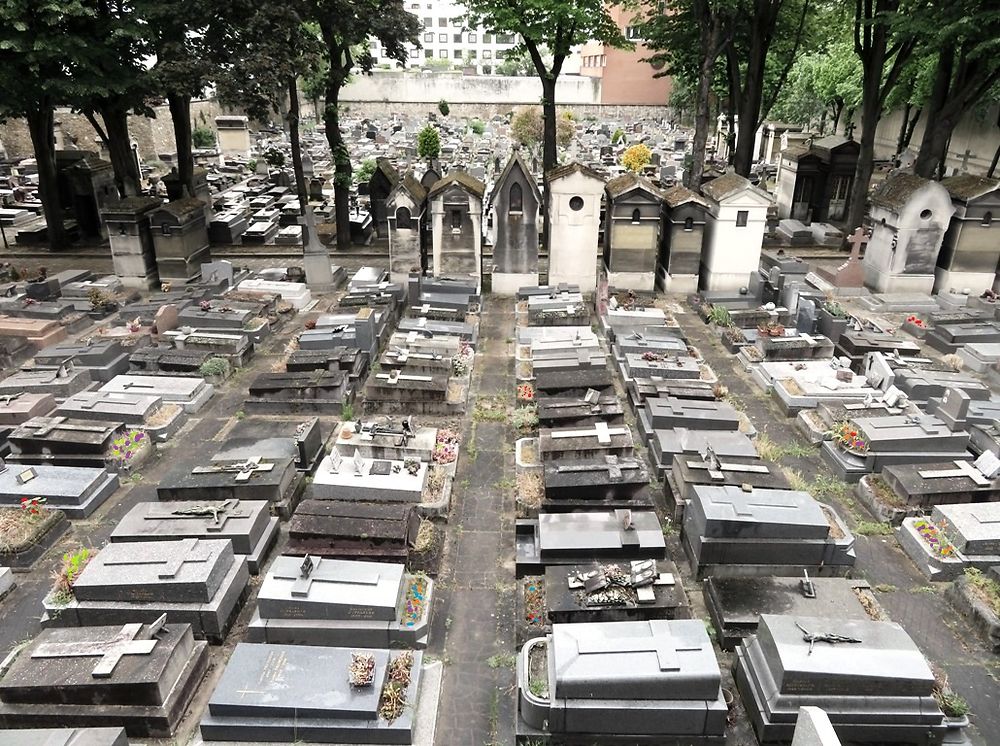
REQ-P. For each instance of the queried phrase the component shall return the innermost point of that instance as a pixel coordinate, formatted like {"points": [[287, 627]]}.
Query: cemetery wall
{"points": [[401, 87]]}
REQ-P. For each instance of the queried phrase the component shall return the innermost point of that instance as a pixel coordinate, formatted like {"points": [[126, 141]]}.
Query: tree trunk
{"points": [[749, 109], [120, 150], [293, 134], [938, 129], [870, 111], [341, 159], [709, 32], [993, 163], [838, 109], [907, 107], [41, 128], [549, 153], [911, 126], [180, 115]]}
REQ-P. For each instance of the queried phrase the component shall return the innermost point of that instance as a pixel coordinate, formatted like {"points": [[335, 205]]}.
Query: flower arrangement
{"points": [[836, 310], [125, 447], [934, 538], [412, 466], [525, 392], [414, 607], [446, 447], [205, 305], [771, 330], [134, 325], [311, 324], [846, 433], [534, 603], [32, 506], [915, 321], [462, 362], [361, 672]]}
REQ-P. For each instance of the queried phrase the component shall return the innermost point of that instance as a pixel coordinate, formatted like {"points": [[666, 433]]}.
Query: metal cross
{"points": [[219, 512], [325, 571], [244, 470]]}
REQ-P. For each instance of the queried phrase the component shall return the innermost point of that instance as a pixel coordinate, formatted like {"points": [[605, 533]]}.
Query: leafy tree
{"points": [[314, 81], [477, 127], [965, 38], [44, 60], [443, 107], [527, 126], [203, 137], [821, 86], [364, 174], [883, 48], [345, 24], [618, 136], [689, 36], [636, 157], [555, 25], [274, 157], [517, 62], [428, 143], [262, 71]]}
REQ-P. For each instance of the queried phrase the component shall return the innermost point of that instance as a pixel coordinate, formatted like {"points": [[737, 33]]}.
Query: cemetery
{"points": [[397, 421]]}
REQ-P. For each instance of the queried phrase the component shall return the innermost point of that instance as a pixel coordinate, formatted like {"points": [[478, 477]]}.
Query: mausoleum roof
{"points": [[678, 195], [896, 190], [570, 168], [463, 179], [629, 181], [969, 186], [724, 186], [184, 206]]}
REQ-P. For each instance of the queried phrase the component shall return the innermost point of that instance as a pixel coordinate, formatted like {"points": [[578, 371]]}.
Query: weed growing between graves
{"points": [[525, 418], [952, 705], [347, 411], [986, 588], [502, 660], [73, 563], [885, 588], [769, 450], [872, 528], [491, 409], [214, 366]]}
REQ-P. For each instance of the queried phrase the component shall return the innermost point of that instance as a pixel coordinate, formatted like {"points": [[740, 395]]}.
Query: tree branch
{"points": [[96, 125], [783, 76]]}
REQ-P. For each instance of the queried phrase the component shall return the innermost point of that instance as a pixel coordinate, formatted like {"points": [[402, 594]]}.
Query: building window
{"points": [[741, 218], [636, 216], [689, 224], [428, 53], [499, 55], [403, 218], [632, 33], [505, 38], [456, 220], [428, 22], [472, 38], [487, 54], [429, 38], [576, 204], [414, 54], [987, 219], [516, 198], [443, 38], [457, 21], [457, 38], [442, 23], [443, 54], [487, 39], [473, 54], [457, 54]]}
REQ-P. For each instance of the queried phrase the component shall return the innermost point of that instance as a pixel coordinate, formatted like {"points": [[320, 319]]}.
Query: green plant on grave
{"points": [[347, 412], [720, 316], [73, 564], [214, 366], [986, 588], [836, 310], [444, 108], [203, 137], [525, 418], [252, 165]]}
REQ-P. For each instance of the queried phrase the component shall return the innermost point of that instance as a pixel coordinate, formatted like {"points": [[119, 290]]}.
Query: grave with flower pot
{"points": [[76, 490], [28, 530], [866, 445], [368, 479], [320, 601], [953, 538], [387, 437]]}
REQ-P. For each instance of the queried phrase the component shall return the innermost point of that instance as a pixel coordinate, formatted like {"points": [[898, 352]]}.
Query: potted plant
{"points": [[832, 320]]}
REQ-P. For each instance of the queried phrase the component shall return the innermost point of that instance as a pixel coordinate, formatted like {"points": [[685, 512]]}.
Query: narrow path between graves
{"points": [[907, 597], [475, 592]]}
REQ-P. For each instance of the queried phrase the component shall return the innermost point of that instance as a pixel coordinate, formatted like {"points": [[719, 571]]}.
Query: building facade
{"points": [[445, 38], [626, 79]]}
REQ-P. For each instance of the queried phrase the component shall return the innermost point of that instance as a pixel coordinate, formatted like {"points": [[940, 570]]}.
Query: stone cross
{"points": [[601, 431], [42, 426], [220, 513], [612, 465], [109, 651], [244, 470], [743, 504], [136, 385], [659, 642], [717, 469], [964, 469], [172, 556], [858, 239], [965, 159], [324, 571], [395, 377]]}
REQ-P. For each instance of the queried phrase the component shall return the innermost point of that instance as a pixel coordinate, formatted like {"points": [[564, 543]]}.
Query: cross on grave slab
{"points": [[109, 651], [171, 555], [326, 571], [47, 424], [717, 469], [8, 398], [987, 519], [744, 508], [220, 513], [612, 465], [964, 469], [395, 377], [136, 385], [858, 239], [660, 642], [923, 424], [244, 470], [601, 431]]}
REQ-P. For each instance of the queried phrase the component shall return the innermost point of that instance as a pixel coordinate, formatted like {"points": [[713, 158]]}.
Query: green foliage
{"points": [[873, 528], [820, 84], [347, 412], [518, 63], [618, 137], [214, 366], [274, 157], [525, 418], [252, 165], [953, 705], [203, 137], [364, 174], [73, 563], [443, 107], [987, 588], [719, 315], [428, 142], [477, 127], [527, 126]]}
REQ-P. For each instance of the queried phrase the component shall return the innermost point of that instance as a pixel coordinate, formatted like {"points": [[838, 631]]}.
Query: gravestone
{"points": [[266, 690], [190, 393], [876, 685], [608, 481], [138, 676], [193, 581], [665, 669], [353, 530], [76, 490], [246, 524], [273, 480], [318, 601], [366, 479], [299, 439]]}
